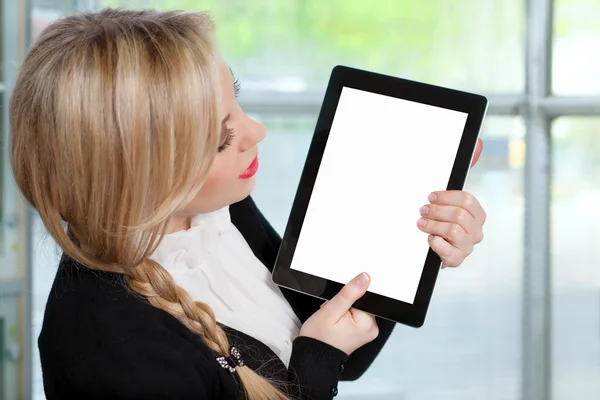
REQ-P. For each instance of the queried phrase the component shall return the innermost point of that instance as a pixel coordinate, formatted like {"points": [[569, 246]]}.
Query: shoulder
{"points": [[98, 339], [86, 309]]}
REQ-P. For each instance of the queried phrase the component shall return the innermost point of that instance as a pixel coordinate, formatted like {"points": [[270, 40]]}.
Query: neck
{"points": [[178, 223]]}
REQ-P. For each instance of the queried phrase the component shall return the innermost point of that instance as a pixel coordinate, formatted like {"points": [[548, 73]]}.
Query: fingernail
{"points": [[432, 197], [424, 210], [430, 238], [421, 222], [362, 279]]}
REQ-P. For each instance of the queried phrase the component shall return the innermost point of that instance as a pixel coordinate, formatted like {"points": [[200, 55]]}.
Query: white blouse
{"points": [[215, 265]]}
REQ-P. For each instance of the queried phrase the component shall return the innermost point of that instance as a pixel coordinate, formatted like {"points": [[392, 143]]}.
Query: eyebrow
{"points": [[228, 115], [225, 119]]}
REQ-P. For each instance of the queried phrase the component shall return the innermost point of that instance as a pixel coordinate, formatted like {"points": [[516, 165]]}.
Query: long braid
{"points": [[154, 283]]}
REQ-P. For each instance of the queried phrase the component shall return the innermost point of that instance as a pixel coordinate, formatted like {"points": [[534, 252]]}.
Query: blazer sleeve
{"points": [[305, 305], [316, 367], [142, 369]]}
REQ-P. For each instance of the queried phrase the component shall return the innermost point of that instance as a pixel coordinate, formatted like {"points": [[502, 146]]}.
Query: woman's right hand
{"points": [[339, 325]]}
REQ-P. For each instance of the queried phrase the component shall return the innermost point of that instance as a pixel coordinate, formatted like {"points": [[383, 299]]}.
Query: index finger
{"points": [[459, 198], [477, 152]]}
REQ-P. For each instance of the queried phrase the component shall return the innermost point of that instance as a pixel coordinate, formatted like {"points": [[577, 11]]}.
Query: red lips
{"points": [[251, 170]]}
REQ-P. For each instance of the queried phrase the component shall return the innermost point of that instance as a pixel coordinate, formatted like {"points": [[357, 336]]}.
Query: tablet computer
{"points": [[381, 145]]}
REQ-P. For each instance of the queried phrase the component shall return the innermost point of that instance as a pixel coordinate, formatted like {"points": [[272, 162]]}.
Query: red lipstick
{"points": [[251, 170]]}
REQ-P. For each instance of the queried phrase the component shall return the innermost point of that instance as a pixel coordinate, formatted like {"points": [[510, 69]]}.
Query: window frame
{"points": [[15, 28], [536, 105]]}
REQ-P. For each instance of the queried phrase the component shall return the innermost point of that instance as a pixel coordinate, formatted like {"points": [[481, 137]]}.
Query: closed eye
{"points": [[236, 87], [226, 142]]}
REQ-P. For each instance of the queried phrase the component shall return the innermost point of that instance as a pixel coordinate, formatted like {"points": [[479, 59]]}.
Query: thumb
{"points": [[337, 307]]}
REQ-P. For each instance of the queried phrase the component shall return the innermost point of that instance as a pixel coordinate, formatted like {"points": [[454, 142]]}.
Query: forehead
{"points": [[227, 95]]}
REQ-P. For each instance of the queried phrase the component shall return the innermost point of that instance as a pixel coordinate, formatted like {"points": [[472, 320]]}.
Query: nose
{"points": [[255, 132]]}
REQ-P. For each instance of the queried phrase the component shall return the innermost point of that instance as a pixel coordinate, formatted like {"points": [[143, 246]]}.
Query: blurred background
{"points": [[521, 318]]}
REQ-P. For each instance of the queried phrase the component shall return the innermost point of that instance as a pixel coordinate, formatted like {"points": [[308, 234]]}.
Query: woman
{"points": [[127, 139]]}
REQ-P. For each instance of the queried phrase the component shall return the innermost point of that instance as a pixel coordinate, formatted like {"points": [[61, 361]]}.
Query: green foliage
{"points": [[471, 43], [391, 36], [573, 16]]}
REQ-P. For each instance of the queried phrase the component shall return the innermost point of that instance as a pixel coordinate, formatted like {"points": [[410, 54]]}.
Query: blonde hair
{"points": [[115, 123]]}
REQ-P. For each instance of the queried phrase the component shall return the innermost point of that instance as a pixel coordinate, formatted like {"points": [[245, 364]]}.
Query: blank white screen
{"points": [[383, 157]]}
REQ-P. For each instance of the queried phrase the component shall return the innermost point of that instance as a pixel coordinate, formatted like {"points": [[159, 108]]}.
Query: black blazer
{"points": [[98, 341]]}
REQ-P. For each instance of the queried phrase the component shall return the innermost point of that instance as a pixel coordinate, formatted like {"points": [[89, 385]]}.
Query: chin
{"points": [[245, 189]]}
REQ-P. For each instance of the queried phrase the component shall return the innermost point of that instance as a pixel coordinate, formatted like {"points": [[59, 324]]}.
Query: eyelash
{"points": [[228, 139], [236, 87], [230, 132]]}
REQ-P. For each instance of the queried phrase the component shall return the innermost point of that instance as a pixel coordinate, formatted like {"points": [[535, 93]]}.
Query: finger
{"points": [[365, 322], [452, 214], [450, 255], [477, 152], [339, 304], [362, 318], [460, 199], [453, 233]]}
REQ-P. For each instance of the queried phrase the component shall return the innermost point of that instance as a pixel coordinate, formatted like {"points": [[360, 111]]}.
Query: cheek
{"points": [[213, 185], [220, 177], [221, 187]]}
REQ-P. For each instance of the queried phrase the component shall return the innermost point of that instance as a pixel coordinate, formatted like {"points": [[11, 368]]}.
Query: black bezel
{"points": [[472, 104]]}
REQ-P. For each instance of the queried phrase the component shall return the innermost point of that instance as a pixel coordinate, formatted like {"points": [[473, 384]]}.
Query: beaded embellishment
{"points": [[231, 362]]}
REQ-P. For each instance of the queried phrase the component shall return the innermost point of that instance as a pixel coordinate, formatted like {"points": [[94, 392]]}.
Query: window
{"points": [[577, 32], [14, 309], [292, 45], [575, 254], [516, 320]]}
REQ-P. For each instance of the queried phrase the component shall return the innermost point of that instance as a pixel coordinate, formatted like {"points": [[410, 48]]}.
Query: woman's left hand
{"points": [[454, 220]]}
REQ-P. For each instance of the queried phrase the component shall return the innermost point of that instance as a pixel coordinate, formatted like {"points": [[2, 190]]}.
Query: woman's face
{"points": [[232, 175]]}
